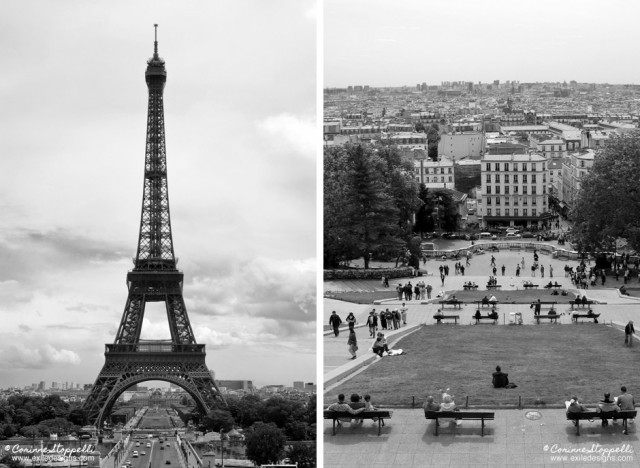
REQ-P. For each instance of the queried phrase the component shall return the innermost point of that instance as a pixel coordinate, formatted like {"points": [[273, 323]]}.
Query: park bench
{"points": [[487, 304], [552, 286], [485, 317], [470, 287], [493, 286], [531, 286], [379, 415], [550, 317], [592, 415], [439, 318], [463, 415], [577, 316], [580, 303], [454, 302]]}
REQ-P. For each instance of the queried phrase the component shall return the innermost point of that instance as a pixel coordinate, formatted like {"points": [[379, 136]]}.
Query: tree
{"points": [[433, 138], [369, 199], [217, 420], [302, 454], [607, 206], [264, 443]]}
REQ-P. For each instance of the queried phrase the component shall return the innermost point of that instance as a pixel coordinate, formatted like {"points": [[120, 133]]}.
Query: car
{"points": [[513, 235], [168, 462], [148, 444], [168, 444], [162, 447], [137, 444], [143, 453], [135, 454]]}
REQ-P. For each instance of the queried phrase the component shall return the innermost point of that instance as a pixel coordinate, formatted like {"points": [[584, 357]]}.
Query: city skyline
{"points": [[241, 163], [382, 43]]}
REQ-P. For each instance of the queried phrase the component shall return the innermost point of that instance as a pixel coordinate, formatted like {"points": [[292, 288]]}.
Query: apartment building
{"points": [[514, 191], [574, 168], [434, 174]]}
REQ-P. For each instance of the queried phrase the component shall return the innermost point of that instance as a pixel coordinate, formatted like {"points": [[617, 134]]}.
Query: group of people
{"points": [[624, 402], [417, 292], [447, 404], [387, 319], [356, 406]]}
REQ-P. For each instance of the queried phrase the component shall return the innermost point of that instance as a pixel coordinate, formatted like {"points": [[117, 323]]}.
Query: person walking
{"points": [[542, 271], [352, 342], [403, 313], [503, 269], [628, 334], [334, 322], [429, 289], [372, 322], [550, 271]]}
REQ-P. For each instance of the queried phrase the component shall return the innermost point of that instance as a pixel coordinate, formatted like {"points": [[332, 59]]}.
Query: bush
{"points": [[360, 273]]}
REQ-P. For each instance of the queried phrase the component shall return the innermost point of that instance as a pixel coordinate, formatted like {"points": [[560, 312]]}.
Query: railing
{"points": [[487, 246], [155, 348]]}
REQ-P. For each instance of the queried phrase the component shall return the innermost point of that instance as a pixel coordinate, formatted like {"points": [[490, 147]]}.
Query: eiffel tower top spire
{"points": [[155, 243]]}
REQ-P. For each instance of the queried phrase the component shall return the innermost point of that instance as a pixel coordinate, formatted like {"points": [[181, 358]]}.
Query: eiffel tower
{"points": [[154, 278]]}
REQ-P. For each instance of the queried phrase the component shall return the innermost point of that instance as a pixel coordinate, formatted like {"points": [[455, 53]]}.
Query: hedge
{"points": [[370, 273]]}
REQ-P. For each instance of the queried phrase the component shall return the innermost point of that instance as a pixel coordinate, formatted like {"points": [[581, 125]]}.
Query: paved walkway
{"points": [[512, 439], [516, 438]]}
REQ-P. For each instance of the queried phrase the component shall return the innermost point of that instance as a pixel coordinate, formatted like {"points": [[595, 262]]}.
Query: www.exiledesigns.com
{"points": [[596, 453], [52, 458]]}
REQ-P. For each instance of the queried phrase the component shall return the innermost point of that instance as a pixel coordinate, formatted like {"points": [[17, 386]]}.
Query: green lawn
{"points": [[548, 363], [519, 296]]}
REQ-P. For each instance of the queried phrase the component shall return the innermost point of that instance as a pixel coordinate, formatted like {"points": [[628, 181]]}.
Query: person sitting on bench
{"points": [[448, 405], [584, 299], [485, 300], [552, 311], [493, 314], [575, 407], [607, 405], [500, 379], [478, 315], [431, 405], [549, 285], [493, 299], [342, 406]]}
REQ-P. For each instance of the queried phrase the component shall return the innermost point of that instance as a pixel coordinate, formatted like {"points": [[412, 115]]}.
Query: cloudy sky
{"points": [[395, 43], [240, 134]]}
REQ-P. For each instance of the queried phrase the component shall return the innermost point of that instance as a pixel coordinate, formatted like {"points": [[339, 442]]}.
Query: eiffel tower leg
{"points": [[187, 370]]}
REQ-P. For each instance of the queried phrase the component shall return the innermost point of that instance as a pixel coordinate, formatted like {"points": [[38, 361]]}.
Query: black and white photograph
{"points": [[158, 165], [481, 198]]}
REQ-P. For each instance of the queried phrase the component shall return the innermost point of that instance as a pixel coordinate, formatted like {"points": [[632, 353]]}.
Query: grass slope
{"points": [[547, 362]]}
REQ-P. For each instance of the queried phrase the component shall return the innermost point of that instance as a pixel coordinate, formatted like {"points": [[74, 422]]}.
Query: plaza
{"points": [[525, 436]]}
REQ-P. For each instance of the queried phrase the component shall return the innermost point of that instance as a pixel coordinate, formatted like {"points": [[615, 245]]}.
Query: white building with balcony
{"points": [[514, 191]]}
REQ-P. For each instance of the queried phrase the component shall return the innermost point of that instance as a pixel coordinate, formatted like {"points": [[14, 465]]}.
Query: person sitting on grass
{"points": [[341, 406], [500, 379], [607, 405], [623, 290], [380, 345]]}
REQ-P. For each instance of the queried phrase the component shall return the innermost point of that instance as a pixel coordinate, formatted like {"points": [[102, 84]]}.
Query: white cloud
{"points": [[16, 353], [297, 132]]}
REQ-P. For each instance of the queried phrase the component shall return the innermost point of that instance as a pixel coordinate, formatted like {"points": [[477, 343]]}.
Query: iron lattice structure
{"points": [[154, 278]]}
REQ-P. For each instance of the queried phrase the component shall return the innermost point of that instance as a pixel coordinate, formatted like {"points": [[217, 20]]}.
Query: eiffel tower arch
{"points": [[154, 278]]}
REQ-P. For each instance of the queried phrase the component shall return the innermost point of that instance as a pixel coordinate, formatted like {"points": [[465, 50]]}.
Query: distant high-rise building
{"points": [[54, 385], [42, 386], [299, 385]]}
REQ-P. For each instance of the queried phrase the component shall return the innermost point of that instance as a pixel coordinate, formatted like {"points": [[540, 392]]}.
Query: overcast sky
{"points": [[395, 43], [241, 155]]}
